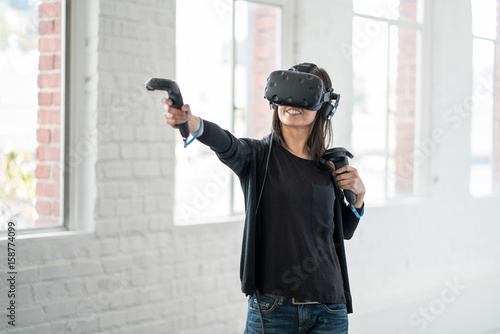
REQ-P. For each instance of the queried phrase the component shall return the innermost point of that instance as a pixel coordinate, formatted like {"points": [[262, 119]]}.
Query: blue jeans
{"points": [[283, 317]]}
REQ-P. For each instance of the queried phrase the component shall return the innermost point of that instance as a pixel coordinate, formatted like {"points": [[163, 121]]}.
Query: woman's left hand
{"points": [[348, 178]]}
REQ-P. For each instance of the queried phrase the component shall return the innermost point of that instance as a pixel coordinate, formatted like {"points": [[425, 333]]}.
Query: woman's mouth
{"points": [[293, 111]]}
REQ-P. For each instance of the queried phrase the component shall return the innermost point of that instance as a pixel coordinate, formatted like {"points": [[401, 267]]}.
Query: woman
{"points": [[293, 263]]}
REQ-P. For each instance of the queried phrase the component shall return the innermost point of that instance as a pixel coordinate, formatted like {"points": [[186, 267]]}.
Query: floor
{"points": [[475, 310]]}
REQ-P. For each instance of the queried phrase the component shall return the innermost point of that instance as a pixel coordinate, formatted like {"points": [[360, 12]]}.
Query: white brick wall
{"points": [[137, 273]]}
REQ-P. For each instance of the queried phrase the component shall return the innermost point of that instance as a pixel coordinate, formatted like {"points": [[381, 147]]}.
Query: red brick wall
{"points": [[264, 62], [49, 114], [404, 116]]}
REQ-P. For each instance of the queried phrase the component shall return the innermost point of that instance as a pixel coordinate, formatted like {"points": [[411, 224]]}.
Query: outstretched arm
{"points": [[234, 152]]}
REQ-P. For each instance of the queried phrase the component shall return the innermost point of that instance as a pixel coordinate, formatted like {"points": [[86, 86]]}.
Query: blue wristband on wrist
{"points": [[355, 211], [186, 143]]}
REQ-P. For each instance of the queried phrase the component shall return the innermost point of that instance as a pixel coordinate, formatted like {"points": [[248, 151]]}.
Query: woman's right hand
{"points": [[174, 116]]}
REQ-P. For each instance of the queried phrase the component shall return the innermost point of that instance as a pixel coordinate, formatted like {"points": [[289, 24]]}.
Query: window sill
{"points": [[46, 233], [209, 221]]}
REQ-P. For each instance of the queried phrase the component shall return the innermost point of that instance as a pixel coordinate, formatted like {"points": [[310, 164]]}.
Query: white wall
{"points": [[137, 273]]}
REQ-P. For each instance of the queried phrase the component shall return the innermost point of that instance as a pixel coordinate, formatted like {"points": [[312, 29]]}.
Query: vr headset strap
{"points": [[305, 67]]}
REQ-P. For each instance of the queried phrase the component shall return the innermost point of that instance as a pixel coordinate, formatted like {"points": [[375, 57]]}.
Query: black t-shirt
{"points": [[297, 256]]}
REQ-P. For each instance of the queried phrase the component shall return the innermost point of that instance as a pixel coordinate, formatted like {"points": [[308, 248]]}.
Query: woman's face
{"points": [[296, 117]]}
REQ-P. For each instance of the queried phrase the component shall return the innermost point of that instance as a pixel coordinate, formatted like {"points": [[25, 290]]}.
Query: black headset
{"points": [[299, 88]]}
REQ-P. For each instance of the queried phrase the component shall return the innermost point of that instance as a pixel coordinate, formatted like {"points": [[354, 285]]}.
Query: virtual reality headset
{"points": [[298, 88]]}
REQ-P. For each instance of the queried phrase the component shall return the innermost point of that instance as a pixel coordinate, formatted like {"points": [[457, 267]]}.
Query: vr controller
{"points": [[174, 94], [338, 156], [298, 88]]}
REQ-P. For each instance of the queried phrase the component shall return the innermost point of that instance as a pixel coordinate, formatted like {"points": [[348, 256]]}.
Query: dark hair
{"points": [[321, 134]]}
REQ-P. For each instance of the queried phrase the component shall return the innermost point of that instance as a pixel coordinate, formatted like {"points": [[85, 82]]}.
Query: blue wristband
{"points": [[355, 211], [186, 143]]}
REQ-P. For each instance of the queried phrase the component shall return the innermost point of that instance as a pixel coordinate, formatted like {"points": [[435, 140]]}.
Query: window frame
{"points": [[49, 230], [286, 57], [80, 182], [78, 187], [422, 118], [495, 42], [287, 13]]}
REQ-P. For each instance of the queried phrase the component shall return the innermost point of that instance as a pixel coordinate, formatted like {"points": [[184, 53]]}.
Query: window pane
{"points": [[482, 118], [204, 75], [30, 113], [385, 77], [484, 18], [390, 9], [370, 103], [205, 188], [258, 53], [402, 99], [258, 38]]}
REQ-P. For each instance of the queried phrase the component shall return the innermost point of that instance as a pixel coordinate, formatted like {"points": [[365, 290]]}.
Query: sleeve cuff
{"points": [[358, 212], [361, 208]]}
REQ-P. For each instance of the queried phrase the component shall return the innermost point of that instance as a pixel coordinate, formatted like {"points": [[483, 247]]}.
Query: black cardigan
{"points": [[247, 158]]}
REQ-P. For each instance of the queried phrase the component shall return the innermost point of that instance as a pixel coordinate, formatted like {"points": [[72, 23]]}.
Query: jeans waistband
{"points": [[294, 301]]}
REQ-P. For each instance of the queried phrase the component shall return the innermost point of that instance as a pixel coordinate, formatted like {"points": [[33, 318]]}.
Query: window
{"points": [[485, 107], [221, 71], [31, 137], [386, 49]]}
